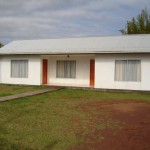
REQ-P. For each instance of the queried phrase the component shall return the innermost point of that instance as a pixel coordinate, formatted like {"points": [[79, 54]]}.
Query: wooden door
{"points": [[44, 71], [92, 72]]}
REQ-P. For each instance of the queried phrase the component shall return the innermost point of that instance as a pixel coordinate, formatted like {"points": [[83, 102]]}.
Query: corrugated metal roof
{"points": [[106, 44]]}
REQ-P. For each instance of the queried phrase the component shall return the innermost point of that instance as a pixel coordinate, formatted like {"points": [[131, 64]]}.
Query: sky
{"points": [[43, 19]]}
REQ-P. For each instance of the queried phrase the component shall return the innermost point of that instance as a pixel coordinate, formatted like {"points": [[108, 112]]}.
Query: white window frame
{"points": [[126, 76], [69, 74], [20, 72]]}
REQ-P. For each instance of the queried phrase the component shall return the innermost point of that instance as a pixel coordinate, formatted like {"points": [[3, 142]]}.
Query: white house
{"points": [[114, 62]]}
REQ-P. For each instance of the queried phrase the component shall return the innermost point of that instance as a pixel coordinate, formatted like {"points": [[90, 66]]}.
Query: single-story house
{"points": [[109, 62]]}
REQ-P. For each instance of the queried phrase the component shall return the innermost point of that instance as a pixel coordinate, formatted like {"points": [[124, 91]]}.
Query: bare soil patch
{"points": [[117, 125]]}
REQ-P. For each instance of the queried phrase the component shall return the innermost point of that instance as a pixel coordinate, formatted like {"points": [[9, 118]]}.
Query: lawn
{"points": [[58, 120], [7, 90]]}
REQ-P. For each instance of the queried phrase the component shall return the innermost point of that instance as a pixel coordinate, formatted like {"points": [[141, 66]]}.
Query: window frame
{"points": [[127, 65], [65, 77], [19, 60]]}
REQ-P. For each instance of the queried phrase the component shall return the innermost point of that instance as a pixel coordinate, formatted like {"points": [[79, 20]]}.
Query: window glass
{"points": [[19, 68], [127, 70], [66, 69]]}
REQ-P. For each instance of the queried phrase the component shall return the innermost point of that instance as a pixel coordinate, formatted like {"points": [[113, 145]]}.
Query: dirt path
{"points": [[125, 125]]}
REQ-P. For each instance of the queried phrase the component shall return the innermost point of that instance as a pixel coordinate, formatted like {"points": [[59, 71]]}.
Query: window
{"points": [[66, 69], [127, 70], [19, 68]]}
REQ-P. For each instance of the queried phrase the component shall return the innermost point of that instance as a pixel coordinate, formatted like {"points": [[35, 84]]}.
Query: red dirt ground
{"points": [[131, 130]]}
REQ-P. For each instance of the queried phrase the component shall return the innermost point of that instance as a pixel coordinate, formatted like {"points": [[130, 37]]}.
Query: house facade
{"points": [[116, 62]]}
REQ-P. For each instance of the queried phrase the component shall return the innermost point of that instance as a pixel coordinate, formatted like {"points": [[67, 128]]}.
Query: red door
{"points": [[44, 71], [92, 72]]}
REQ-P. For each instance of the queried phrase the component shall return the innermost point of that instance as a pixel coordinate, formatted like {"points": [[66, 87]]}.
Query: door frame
{"points": [[44, 71], [92, 72]]}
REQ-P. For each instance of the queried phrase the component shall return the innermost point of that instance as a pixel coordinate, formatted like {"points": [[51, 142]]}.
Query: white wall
{"points": [[82, 70], [0, 69], [105, 72], [34, 70]]}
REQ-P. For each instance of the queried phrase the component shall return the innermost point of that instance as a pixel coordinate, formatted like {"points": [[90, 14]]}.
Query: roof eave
{"points": [[73, 53]]}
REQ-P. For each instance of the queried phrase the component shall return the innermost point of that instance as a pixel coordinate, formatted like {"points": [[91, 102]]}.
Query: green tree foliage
{"points": [[138, 25], [1, 45]]}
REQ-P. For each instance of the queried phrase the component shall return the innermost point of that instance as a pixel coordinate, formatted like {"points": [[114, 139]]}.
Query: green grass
{"points": [[52, 120], [7, 90]]}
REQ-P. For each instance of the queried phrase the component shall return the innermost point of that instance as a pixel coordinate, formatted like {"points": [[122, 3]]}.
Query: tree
{"points": [[1, 45], [138, 25]]}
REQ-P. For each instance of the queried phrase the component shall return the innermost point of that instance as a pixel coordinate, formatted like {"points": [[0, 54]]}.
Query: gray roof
{"points": [[106, 44]]}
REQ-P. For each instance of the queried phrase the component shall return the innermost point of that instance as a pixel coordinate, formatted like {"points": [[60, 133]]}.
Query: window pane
{"points": [[66, 69], [128, 70], [73, 69], [60, 69], [19, 68]]}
